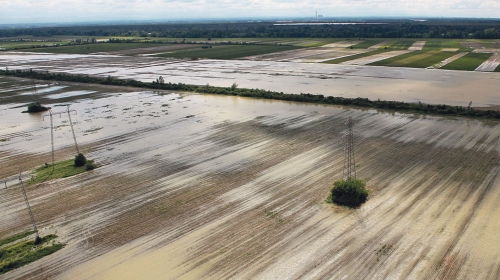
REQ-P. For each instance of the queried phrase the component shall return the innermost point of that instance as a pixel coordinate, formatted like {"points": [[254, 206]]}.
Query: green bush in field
{"points": [[80, 160], [36, 107], [89, 165], [351, 193]]}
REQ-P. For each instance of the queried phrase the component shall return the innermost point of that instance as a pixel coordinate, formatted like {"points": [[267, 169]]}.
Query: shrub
{"points": [[351, 193], [80, 160], [36, 107], [90, 165]]}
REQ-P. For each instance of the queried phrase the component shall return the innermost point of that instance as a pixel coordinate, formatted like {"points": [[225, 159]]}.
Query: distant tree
{"points": [[160, 80]]}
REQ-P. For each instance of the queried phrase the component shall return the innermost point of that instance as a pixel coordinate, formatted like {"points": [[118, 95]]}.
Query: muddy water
{"points": [[198, 186], [401, 84]]}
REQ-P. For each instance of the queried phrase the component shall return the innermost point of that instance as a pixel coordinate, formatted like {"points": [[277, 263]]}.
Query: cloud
{"points": [[15, 11]]}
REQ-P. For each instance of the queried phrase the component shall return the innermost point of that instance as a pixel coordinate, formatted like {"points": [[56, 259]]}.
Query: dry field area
{"points": [[199, 186]]}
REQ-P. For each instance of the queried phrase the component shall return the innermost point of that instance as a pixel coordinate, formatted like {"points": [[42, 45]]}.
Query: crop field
{"points": [[356, 56], [439, 44], [416, 59], [367, 43], [195, 185], [30, 45], [94, 48], [468, 62], [227, 51]]}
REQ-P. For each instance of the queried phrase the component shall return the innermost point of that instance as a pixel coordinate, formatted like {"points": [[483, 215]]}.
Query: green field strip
{"points": [[93, 48], [393, 61], [352, 57], [228, 51], [497, 69], [439, 44], [368, 43], [468, 62], [430, 60], [399, 45]]}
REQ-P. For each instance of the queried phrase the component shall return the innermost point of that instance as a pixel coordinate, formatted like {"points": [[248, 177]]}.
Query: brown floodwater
{"points": [[433, 86]]}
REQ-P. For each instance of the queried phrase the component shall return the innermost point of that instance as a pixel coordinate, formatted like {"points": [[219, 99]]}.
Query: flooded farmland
{"points": [[201, 186], [430, 86]]}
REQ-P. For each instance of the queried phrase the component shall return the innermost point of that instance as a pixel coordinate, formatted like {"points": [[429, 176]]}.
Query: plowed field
{"points": [[214, 187]]}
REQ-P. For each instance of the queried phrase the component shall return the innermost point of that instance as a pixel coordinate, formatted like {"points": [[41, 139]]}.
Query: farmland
{"points": [[236, 189], [392, 52]]}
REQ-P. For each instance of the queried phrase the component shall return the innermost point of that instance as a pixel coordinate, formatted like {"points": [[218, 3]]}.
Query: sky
{"points": [[47, 11]]}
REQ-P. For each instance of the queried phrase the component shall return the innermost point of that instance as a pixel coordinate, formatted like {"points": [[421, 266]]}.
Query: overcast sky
{"points": [[43, 11]]}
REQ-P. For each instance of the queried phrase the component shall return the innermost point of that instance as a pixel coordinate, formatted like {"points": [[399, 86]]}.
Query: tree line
{"points": [[233, 90], [459, 28]]}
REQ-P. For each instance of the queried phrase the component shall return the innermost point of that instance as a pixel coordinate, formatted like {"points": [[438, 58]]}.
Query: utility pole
{"points": [[72, 130], [52, 131], [27, 203], [349, 162]]}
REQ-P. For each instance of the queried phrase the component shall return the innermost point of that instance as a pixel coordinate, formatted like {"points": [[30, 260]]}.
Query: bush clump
{"points": [[351, 193], [90, 165], [36, 107], [80, 160]]}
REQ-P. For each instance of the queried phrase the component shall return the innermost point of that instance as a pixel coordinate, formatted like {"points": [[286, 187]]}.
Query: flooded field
{"points": [[201, 186], [400, 84]]}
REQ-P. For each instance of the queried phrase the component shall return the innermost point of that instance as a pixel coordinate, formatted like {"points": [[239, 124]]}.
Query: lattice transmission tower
{"points": [[349, 162]]}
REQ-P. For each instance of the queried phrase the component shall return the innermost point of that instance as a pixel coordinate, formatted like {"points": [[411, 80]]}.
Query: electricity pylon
{"points": [[52, 129], [349, 162]]}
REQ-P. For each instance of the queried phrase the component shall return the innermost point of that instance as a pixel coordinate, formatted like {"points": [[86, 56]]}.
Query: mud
{"points": [[199, 186]]}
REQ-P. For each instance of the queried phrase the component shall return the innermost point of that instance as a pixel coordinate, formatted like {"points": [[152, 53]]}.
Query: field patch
{"points": [[379, 44], [468, 62], [354, 57], [417, 46], [490, 64], [19, 254], [93, 48], [399, 45], [228, 51], [375, 57], [341, 44]]}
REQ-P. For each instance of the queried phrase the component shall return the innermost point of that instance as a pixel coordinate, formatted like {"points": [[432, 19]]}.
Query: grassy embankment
{"points": [[468, 62], [62, 169], [16, 254]]}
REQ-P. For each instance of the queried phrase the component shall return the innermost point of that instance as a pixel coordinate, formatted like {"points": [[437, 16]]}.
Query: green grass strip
{"points": [[22, 253], [497, 69], [355, 56], [468, 62], [15, 237], [228, 51], [62, 169]]}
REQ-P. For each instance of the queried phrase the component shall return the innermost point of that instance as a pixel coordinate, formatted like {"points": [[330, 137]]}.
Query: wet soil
{"points": [[199, 186]]}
